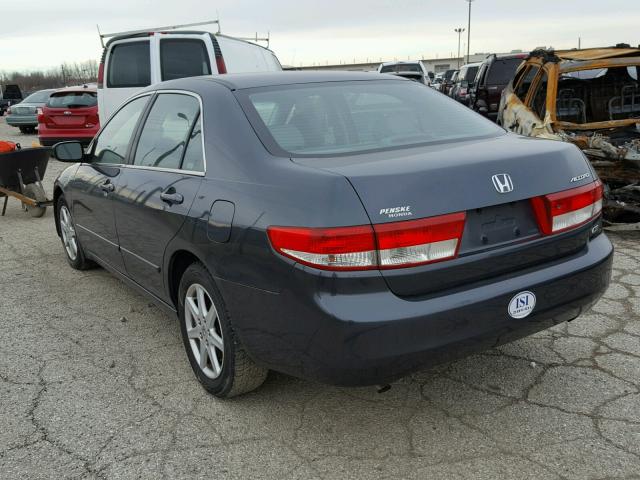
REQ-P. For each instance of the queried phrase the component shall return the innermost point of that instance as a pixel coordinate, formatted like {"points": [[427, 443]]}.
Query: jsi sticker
{"points": [[522, 304]]}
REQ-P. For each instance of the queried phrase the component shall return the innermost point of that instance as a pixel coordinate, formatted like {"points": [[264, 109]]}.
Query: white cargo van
{"points": [[133, 60]]}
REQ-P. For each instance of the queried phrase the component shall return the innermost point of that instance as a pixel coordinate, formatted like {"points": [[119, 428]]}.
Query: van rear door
{"points": [[128, 67]]}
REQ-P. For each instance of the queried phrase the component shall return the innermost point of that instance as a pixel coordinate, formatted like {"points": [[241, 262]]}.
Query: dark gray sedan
{"points": [[344, 227], [24, 115]]}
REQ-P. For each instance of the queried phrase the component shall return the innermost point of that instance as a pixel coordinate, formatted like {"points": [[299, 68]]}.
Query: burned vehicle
{"points": [[590, 98]]}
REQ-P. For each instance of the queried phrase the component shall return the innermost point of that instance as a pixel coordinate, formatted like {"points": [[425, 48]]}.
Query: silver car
{"points": [[24, 115]]}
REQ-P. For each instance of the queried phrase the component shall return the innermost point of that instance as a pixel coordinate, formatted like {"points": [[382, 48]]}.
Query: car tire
{"points": [[24, 130], [71, 244], [207, 332]]}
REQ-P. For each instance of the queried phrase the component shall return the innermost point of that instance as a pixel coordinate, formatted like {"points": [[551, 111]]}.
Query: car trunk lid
{"points": [[70, 117], [446, 178]]}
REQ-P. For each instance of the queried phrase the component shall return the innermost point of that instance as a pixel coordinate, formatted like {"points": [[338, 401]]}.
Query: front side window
{"points": [[166, 131], [129, 65], [525, 83], [349, 117], [112, 143], [182, 57]]}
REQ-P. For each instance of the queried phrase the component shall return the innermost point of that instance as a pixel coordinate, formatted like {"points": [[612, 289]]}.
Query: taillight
{"points": [[342, 248], [382, 246], [9, 111], [101, 75], [562, 211], [222, 67]]}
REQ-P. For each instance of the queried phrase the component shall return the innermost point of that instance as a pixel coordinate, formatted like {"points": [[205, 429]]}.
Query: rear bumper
{"points": [[354, 331], [22, 120]]}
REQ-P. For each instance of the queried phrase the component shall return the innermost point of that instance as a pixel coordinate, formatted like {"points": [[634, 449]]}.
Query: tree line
{"points": [[66, 75]]}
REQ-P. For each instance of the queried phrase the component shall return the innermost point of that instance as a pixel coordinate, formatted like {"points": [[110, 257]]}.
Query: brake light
{"points": [[342, 248], [562, 211], [365, 247], [222, 67], [101, 75]]}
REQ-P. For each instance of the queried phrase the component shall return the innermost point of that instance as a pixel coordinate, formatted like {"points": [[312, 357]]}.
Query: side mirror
{"points": [[68, 152]]}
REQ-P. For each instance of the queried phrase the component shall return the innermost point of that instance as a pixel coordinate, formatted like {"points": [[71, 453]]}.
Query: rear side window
{"points": [[194, 155], [348, 117], [166, 131], [72, 100], [183, 57], [129, 65], [471, 74], [540, 98], [502, 70]]}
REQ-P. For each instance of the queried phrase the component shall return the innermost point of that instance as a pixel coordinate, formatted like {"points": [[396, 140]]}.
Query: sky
{"points": [[38, 34]]}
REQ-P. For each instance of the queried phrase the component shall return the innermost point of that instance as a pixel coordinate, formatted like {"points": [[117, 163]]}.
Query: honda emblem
{"points": [[502, 182]]}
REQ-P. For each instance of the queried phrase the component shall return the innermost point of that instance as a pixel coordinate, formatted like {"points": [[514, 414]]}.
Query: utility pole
{"points": [[459, 32], [469, 33]]}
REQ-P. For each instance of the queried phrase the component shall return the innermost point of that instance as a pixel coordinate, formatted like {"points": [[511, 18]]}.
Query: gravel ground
{"points": [[94, 383]]}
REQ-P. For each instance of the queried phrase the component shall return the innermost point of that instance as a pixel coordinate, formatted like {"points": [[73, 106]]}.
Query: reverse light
{"points": [[365, 247], [565, 210]]}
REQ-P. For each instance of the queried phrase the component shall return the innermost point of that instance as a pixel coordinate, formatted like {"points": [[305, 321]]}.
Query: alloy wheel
{"points": [[68, 233], [204, 330]]}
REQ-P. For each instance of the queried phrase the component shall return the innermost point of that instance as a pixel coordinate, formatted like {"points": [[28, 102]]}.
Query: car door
{"points": [[96, 180], [157, 188]]}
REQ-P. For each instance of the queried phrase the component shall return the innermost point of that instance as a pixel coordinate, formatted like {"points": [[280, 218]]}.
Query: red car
{"points": [[70, 114]]}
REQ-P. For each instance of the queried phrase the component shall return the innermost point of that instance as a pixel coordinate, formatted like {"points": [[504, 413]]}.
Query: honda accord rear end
{"points": [[435, 234]]}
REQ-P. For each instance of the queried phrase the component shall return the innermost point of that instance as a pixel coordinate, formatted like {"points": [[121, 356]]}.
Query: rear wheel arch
{"points": [[180, 261]]}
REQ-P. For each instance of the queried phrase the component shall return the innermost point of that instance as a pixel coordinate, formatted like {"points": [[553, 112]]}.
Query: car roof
{"points": [[597, 53], [399, 62], [239, 81]]}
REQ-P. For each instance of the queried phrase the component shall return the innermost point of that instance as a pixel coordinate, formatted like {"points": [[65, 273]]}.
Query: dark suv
{"points": [[494, 75], [9, 95]]}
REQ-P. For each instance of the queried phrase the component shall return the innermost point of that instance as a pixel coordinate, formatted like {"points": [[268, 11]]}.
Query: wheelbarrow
{"points": [[21, 173]]}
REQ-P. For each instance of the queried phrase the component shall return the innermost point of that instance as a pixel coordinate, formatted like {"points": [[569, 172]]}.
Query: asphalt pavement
{"points": [[94, 383]]}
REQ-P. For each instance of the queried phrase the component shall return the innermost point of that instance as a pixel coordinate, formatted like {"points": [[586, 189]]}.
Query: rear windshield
{"points": [[502, 70], [129, 65], [72, 100], [348, 117], [38, 97], [183, 57], [401, 67]]}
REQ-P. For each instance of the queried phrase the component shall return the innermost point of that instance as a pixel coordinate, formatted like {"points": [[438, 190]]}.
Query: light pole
{"points": [[469, 32], [459, 32]]}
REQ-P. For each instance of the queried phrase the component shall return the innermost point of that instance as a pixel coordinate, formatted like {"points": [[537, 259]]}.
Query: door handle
{"points": [[171, 197], [107, 186]]}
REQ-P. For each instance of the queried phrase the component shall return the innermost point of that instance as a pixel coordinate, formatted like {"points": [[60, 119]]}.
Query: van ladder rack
{"points": [[155, 29]]}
